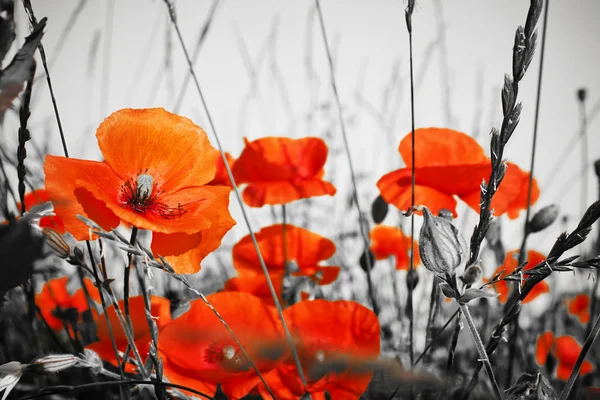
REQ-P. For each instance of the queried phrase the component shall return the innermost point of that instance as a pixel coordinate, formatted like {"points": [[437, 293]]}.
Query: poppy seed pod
{"points": [[543, 218], [441, 246]]}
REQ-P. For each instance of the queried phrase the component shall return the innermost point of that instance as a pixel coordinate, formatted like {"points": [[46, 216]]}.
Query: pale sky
{"points": [[370, 44]]}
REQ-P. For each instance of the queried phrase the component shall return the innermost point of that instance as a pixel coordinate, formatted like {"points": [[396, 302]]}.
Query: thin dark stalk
{"points": [[434, 307], [286, 258], [127, 276], [66, 389], [33, 21], [122, 319], [409, 300], [452, 350], [364, 234], [593, 296], [113, 343], [587, 345], [159, 391], [240, 202], [584, 155], [436, 337]]}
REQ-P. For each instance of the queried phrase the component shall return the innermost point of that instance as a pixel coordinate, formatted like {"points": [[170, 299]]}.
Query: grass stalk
{"points": [[364, 234], [241, 204]]}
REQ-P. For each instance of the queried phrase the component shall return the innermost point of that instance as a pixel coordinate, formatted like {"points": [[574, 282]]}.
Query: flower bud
{"points": [[52, 363], [472, 274], [441, 246], [56, 243], [412, 279], [543, 218]]}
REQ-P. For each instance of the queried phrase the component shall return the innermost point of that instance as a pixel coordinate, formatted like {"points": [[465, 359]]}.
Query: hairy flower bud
{"points": [[543, 218], [441, 246], [52, 363], [472, 274]]}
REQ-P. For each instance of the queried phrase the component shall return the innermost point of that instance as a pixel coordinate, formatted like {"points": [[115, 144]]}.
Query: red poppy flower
{"points": [[55, 299], [389, 241], [307, 249], [221, 177], [510, 264], [579, 306], [160, 308], [256, 284], [156, 165], [333, 337], [450, 163], [199, 352], [37, 197], [566, 350], [279, 170]]}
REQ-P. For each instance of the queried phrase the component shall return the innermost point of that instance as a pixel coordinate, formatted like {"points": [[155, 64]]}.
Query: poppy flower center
{"points": [[143, 196], [228, 356]]}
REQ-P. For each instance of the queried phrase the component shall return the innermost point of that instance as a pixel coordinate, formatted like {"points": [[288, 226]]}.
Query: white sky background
{"points": [[370, 43]]}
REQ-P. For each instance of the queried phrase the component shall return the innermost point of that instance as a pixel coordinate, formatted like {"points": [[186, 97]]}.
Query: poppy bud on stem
{"points": [[441, 246]]}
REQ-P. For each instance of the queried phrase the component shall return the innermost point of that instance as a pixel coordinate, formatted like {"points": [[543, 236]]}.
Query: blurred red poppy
{"points": [[334, 340], [279, 170], [55, 301], [566, 350], [160, 308], [450, 163], [579, 306], [387, 241], [154, 175], [199, 352], [510, 264]]}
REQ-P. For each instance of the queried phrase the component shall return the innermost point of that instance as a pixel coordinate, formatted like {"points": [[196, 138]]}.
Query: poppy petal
{"points": [[283, 192], [184, 252], [400, 194], [441, 147], [256, 284], [543, 346], [156, 142], [61, 176], [272, 159]]}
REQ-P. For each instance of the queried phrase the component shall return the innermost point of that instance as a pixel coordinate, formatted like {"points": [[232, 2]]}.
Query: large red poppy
{"points": [[161, 312], [279, 170], [450, 163], [333, 337], [566, 350], [510, 264], [154, 175], [387, 241], [54, 299], [199, 352]]}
